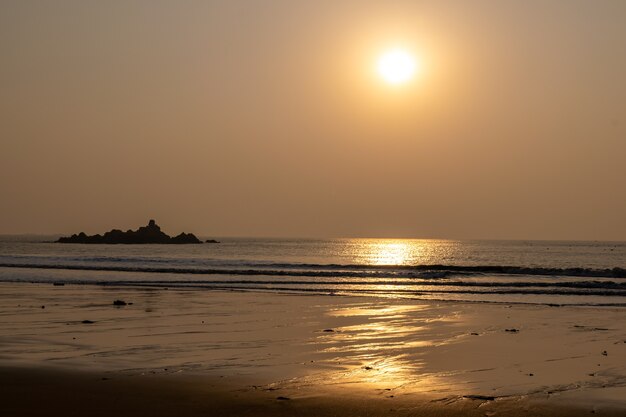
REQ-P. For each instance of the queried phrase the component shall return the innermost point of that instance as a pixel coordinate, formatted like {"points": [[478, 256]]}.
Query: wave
{"points": [[362, 288], [335, 270], [609, 285]]}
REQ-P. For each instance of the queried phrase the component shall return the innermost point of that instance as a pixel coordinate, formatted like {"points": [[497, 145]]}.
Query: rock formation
{"points": [[144, 235]]}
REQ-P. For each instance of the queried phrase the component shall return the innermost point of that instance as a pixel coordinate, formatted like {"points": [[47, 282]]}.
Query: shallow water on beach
{"points": [[540, 272], [296, 345]]}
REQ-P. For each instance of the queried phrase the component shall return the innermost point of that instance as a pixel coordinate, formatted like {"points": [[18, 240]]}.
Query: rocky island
{"points": [[144, 235]]}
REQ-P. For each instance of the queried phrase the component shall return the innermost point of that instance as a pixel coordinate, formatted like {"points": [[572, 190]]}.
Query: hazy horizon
{"points": [[242, 118], [174, 231], [321, 238]]}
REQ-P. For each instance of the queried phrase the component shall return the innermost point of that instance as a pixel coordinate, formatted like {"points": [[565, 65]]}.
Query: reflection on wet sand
{"points": [[380, 347], [454, 352], [316, 344]]}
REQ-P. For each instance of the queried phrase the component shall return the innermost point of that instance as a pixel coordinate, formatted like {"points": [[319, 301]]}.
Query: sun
{"points": [[397, 66]]}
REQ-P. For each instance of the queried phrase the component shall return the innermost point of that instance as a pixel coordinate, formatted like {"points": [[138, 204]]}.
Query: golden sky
{"points": [[268, 118]]}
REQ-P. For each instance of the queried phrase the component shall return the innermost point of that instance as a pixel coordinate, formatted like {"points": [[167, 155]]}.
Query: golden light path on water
{"points": [[399, 251], [385, 342], [395, 252], [391, 253]]}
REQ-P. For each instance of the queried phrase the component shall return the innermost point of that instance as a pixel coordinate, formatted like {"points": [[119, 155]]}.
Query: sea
{"points": [[554, 273]]}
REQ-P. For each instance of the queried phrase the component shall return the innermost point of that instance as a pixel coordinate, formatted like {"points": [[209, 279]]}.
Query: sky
{"points": [[267, 118]]}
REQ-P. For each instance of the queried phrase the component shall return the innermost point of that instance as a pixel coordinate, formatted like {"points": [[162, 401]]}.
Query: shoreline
{"points": [[599, 292], [239, 351]]}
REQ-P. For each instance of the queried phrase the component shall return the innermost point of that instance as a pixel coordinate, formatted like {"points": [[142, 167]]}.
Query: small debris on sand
{"points": [[591, 329], [604, 353], [119, 303], [511, 330], [480, 397], [88, 322], [283, 398], [328, 330]]}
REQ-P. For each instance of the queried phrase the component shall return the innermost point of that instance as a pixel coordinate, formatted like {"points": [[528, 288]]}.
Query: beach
{"points": [[68, 350], [236, 208]]}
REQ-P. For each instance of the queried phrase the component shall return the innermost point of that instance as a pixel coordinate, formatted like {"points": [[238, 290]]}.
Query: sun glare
{"points": [[397, 66]]}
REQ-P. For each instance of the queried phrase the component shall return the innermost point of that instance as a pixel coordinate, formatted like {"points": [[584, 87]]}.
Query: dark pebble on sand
{"points": [[88, 322], [283, 398], [604, 353], [328, 330], [43, 306], [474, 334], [58, 284], [480, 397], [511, 330], [531, 374], [119, 303], [367, 368]]}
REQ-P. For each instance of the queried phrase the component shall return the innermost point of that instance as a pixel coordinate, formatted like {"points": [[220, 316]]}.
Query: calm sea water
{"points": [[542, 272]]}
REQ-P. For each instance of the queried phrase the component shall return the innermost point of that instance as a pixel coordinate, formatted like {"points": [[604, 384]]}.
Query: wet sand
{"points": [[196, 352]]}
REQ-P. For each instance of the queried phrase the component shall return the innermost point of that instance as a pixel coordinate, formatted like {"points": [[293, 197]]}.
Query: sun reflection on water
{"points": [[386, 344], [395, 251]]}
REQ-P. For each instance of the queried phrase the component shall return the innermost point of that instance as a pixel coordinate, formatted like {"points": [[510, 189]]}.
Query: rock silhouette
{"points": [[144, 235]]}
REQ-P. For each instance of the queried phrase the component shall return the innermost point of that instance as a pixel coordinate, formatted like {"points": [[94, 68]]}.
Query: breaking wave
{"points": [[331, 270]]}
